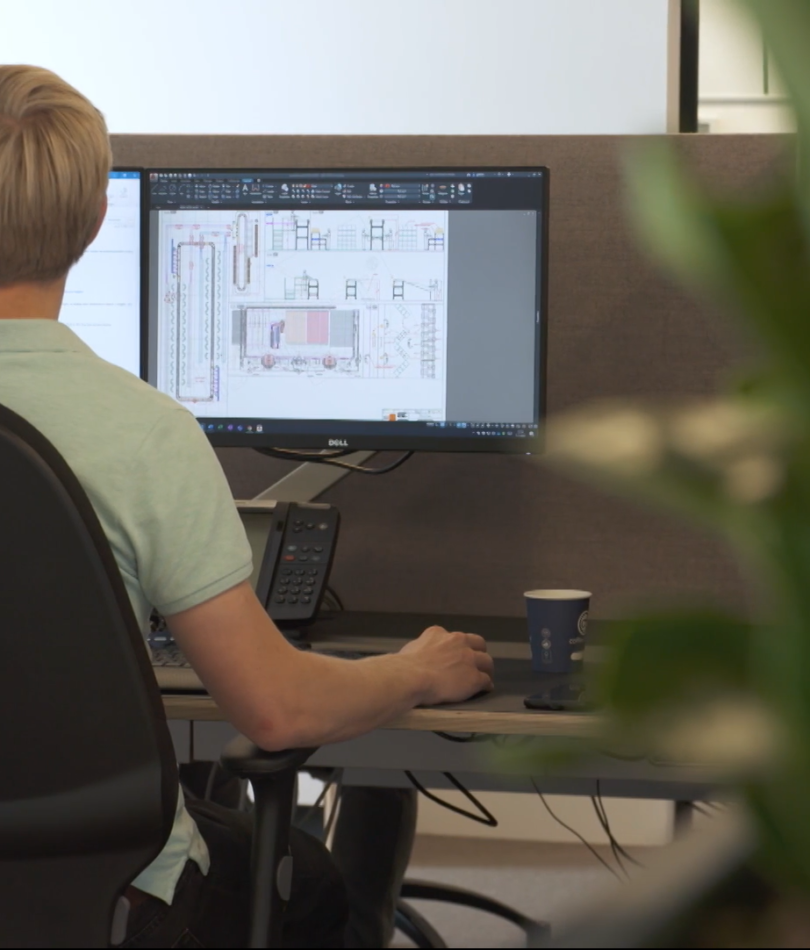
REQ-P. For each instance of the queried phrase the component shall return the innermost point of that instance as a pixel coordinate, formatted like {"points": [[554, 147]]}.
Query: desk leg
{"points": [[684, 818]]}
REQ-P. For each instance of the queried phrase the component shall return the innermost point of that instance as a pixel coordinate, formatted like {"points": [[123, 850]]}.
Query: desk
{"points": [[411, 743], [500, 713]]}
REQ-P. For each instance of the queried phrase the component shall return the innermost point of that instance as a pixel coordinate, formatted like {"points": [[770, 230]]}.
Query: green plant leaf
{"points": [[679, 687], [660, 661], [754, 255], [768, 276], [550, 755], [683, 459], [778, 802], [672, 215]]}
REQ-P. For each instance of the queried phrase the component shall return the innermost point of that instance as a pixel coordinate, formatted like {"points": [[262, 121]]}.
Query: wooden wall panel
{"points": [[469, 533]]}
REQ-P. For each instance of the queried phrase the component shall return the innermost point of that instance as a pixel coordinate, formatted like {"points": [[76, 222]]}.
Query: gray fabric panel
{"points": [[471, 533]]}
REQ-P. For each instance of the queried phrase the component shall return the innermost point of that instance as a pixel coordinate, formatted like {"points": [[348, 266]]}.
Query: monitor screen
{"points": [[368, 309], [103, 297]]}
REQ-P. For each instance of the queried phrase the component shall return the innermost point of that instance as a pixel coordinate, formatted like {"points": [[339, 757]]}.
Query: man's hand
{"points": [[283, 698], [456, 665]]}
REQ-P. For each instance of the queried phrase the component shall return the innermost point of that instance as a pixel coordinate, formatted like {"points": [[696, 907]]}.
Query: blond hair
{"points": [[54, 164]]}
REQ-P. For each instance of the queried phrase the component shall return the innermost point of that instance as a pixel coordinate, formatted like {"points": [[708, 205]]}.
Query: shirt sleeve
{"points": [[186, 533]]}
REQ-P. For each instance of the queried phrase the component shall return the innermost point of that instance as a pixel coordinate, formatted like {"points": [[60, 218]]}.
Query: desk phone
{"points": [[293, 548]]}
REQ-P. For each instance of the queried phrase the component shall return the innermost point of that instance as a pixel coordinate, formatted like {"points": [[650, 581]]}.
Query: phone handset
{"points": [[297, 559]]}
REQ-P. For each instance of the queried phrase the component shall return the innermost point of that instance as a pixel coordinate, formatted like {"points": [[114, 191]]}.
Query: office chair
{"points": [[274, 797], [421, 932], [88, 784]]}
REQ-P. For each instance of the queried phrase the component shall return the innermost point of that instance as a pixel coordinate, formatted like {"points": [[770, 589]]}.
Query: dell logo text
{"points": [[338, 444]]}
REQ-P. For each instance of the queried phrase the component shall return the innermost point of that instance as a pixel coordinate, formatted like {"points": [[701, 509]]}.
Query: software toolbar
{"points": [[173, 190]]}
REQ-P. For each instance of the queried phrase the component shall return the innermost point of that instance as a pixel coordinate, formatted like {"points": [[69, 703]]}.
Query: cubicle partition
{"points": [[469, 533]]}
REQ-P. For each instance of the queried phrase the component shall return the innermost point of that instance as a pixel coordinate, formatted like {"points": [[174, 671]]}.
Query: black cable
{"points": [[576, 834], [291, 455], [617, 849], [605, 822], [333, 594], [472, 737], [304, 455], [485, 818], [611, 840]]}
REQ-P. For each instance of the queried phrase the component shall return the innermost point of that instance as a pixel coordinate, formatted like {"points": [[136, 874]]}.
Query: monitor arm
{"points": [[310, 480]]}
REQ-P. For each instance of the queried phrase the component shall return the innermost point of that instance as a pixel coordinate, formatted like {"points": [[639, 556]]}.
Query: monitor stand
{"points": [[310, 480]]}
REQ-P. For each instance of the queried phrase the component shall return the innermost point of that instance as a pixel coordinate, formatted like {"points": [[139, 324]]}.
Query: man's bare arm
{"points": [[281, 697]]}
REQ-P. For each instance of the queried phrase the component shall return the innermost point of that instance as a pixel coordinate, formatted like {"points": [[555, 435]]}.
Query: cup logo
{"points": [[582, 623]]}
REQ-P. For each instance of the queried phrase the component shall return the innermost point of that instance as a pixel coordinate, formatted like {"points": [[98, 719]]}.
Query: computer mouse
{"points": [[480, 695]]}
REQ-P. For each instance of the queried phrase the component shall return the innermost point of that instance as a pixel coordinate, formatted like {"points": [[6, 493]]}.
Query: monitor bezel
{"points": [[339, 434]]}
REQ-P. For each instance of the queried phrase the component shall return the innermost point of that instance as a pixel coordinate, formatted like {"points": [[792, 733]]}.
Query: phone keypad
{"points": [[306, 553], [292, 583]]}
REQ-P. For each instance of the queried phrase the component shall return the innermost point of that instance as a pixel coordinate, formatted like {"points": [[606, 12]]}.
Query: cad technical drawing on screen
{"points": [[314, 296], [326, 303]]}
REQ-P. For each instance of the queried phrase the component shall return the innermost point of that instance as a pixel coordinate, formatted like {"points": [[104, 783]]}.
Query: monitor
{"points": [[352, 309], [103, 295]]}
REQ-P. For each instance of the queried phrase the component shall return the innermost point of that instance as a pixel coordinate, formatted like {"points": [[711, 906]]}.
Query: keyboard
{"points": [[174, 673]]}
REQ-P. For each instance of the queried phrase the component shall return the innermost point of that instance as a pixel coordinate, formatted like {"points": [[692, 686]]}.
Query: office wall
{"points": [[357, 66], [468, 534]]}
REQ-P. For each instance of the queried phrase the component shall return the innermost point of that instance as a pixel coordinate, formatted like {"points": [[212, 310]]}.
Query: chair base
{"points": [[417, 929]]}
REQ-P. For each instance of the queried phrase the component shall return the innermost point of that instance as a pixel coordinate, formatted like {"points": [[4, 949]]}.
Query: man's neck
{"points": [[41, 301]]}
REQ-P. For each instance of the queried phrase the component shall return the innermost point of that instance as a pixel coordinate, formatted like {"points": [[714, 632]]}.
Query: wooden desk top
{"points": [[435, 719], [499, 713]]}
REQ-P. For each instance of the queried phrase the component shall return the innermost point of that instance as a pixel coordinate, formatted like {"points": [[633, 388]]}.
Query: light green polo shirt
{"points": [[156, 486]]}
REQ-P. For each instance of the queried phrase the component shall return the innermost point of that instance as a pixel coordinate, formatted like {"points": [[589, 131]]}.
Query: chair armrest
{"points": [[245, 759]]}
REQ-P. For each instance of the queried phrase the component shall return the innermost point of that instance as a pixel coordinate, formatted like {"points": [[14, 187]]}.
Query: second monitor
{"points": [[104, 289], [377, 308]]}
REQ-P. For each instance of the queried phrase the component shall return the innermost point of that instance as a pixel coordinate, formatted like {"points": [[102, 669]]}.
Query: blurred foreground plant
{"points": [[703, 685]]}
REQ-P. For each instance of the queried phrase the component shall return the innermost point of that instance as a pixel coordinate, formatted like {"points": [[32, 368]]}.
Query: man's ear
{"points": [[100, 221]]}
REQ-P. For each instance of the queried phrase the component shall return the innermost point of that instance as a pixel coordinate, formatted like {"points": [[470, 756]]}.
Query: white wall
{"points": [[732, 96], [355, 66]]}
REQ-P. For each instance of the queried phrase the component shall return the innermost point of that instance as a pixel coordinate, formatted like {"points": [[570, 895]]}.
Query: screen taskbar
{"points": [[338, 434]]}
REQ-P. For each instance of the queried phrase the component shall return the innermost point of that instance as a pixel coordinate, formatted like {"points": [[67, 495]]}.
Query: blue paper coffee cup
{"points": [[558, 621]]}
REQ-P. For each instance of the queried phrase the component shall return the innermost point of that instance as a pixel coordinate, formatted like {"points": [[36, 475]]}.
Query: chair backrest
{"points": [[88, 778]]}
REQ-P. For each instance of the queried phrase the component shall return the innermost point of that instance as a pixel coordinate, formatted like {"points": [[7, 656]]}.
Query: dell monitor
{"points": [[103, 295], [352, 309]]}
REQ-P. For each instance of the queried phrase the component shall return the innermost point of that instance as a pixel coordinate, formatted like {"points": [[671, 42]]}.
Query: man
{"points": [[166, 509]]}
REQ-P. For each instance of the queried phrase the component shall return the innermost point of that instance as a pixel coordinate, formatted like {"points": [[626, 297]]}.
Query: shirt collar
{"points": [[28, 336]]}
